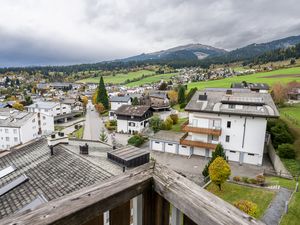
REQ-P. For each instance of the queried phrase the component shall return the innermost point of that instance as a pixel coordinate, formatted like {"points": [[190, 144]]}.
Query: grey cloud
{"points": [[81, 31]]}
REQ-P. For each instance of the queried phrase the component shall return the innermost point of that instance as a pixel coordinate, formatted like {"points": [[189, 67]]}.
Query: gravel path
{"points": [[276, 209]]}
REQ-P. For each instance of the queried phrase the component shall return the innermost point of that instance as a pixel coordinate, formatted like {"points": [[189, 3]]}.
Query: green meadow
{"points": [[282, 75], [151, 80]]}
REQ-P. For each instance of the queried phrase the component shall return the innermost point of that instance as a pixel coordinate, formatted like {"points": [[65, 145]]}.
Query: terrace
{"points": [[152, 190], [187, 140], [186, 127]]}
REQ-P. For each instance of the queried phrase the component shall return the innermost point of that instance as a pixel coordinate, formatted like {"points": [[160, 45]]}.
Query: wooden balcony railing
{"points": [[188, 128], [154, 191], [199, 144]]}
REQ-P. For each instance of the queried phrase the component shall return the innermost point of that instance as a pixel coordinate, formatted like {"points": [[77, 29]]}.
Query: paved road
{"points": [[276, 209], [93, 125]]}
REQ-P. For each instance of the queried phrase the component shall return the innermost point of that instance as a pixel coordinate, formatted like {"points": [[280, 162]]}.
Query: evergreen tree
{"points": [[103, 137], [181, 95], [190, 94], [102, 96], [135, 101]]}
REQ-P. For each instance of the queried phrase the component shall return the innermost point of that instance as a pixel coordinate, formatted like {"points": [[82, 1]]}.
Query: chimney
{"points": [[202, 97], [84, 149], [229, 92]]}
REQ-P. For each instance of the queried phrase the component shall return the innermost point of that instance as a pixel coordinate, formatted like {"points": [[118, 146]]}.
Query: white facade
{"points": [[114, 105], [129, 126], [46, 124], [12, 135], [50, 108]]}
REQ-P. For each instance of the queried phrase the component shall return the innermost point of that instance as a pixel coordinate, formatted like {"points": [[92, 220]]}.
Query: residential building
{"points": [[294, 94], [157, 100], [235, 118], [17, 127], [116, 102], [256, 87], [133, 119], [49, 108]]}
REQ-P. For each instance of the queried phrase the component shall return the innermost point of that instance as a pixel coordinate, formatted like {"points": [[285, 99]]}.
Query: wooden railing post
{"points": [[138, 210], [162, 210], [120, 215], [175, 217], [148, 207]]}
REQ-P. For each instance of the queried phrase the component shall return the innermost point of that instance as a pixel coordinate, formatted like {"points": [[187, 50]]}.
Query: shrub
{"points": [[280, 133], [260, 179], [182, 105], [245, 179], [167, 124], [247, 206], [252, 181], [156, 123], [237, 178], [136, 140], [174, 117], [286, 151]]}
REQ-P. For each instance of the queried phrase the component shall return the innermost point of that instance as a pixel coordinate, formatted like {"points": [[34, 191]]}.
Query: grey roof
{"points": [[158, 95], [252, 103], [130, 110], [50, 176], [125, 98], [14, 118], [252, 86], [165, 135], [43, 105]]}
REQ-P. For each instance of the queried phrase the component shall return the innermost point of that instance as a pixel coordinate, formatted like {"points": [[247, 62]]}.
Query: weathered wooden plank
{"points": [[161, 210], [96, 221], [148, 206], [84, 205], [188, 221], [120, 215], [195, 202]]}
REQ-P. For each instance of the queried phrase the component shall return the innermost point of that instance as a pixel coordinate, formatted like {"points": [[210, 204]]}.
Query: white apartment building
{"points": [[17, 127], [49, 108], [235, 118], [116, 102]]}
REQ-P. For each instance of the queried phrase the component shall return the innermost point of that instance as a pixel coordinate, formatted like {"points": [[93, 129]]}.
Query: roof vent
{"points": [[84, 149], [228, 92], [203, 97]]}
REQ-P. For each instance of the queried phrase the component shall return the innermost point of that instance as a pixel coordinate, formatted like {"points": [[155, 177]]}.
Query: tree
{"points": [[102, 96], [28, 100], [155, 123], [279, 93], [135, 101], [293, 61], [163, 86], [103, 137], [84, 101], [219, 171], [181, 95], [219, 151], [100, 108], [174, 117], [18, 106], [136, 140], [167, 124], [173, 96], [191, 94], [286, 151]]}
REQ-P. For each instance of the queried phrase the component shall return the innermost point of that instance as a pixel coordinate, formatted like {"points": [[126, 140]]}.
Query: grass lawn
{"points": [[264, 77], [177, 107], [293, 165], [58, 128], [286, 183], [293, 215], [78, 133], [233, 192], [151, 80], [177, 127], [118, 78]]}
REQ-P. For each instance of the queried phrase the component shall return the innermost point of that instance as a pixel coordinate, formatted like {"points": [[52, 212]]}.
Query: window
{"points": [[251, 154], [183, 146], [7, 138], [44, 117], [232, 151], [131, 124], [16, 139], [157, 142], [170, 144], [231, 106], [228, 124], [6, 131], [227, 138], [33, 120], [15, 131]]}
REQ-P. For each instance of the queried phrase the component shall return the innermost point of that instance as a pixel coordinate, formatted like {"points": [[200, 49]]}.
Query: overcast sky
{"points": [[57, 32]]}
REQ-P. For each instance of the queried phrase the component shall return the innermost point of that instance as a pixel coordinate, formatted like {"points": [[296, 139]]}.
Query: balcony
{"points": [[187, 140], [186, 127], [154, 190]]}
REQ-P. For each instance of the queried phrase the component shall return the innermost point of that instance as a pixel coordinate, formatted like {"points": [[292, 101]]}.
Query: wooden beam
{"points": [[161, 210], [199, 205], [120, 215], [85, 204], [96, 221], [148, 207]]}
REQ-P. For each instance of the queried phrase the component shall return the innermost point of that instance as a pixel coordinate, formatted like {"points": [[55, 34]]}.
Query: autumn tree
{"points": [[84, 101], [18, 106], [173, 96], [100, 108], [102, 96], [219, 151], [279, 93], [219, 171]]}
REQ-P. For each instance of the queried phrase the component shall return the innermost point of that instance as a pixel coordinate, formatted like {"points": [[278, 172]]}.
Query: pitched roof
{"points": [[168, 136], [125, 98], [247, 103], [129, 110], [14, 118], [43, 105], [49, 176]]}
